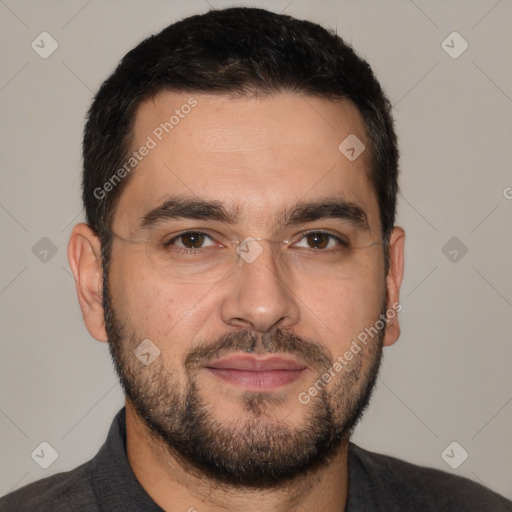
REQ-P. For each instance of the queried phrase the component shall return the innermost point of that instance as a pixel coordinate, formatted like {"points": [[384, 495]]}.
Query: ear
{"points": [[84, 255], [393, 283]]}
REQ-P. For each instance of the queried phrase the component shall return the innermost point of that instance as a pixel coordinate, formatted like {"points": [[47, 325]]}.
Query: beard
{"points": [[256, 450]]}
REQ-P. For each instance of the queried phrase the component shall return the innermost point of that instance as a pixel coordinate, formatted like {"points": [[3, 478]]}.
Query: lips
{"points": [[255, 373]]}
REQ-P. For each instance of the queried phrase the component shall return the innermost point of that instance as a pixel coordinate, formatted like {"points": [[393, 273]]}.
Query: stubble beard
{"points": [[257, 450]]}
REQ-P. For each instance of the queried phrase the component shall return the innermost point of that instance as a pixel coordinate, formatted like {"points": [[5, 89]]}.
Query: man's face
{"points": [[242, 333]]}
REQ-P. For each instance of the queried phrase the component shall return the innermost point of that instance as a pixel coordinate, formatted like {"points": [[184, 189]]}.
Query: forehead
{"points": [[258, 155]]}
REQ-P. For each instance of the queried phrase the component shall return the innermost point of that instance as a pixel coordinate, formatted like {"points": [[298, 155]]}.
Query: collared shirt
{"points": [[377, 483]]}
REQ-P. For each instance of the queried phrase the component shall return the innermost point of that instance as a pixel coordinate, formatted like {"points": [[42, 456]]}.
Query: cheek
{"points": [[154, 307], [344, 308]]}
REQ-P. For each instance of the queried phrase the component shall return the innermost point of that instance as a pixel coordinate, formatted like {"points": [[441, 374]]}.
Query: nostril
{"points": [[242, 323]]}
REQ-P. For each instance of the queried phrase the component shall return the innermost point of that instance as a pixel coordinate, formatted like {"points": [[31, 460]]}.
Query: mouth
{"points": [[257, 374]]}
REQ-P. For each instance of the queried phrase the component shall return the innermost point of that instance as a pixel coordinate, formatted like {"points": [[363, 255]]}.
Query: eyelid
{"points": [[172, 237], [169, 240], [300, 236]]}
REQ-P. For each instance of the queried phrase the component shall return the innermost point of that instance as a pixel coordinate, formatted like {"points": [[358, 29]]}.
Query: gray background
{"points": [[447, 379]]}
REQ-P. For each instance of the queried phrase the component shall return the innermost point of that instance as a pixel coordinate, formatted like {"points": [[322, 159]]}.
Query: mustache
{"points": [[310, 351]]}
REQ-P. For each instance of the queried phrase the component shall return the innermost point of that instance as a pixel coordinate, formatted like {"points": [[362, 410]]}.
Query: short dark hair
{"points": [[236, 51]]}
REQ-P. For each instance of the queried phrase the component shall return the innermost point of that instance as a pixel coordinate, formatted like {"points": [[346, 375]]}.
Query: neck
{"points": [[172, 487]]}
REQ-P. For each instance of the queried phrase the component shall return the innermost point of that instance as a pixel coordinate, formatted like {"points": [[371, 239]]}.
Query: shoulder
{"points": [[401, 483], [57, 493]]}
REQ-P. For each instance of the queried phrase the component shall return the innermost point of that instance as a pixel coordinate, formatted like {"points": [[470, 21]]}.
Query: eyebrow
{"points": [[189, 208], [329, 208], [213, 210]]}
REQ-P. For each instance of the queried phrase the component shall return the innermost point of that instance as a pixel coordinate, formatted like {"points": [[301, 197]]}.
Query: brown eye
{"points": [[192, 240], [318, 240]]}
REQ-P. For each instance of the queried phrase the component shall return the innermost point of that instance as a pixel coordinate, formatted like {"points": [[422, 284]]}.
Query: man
{"points": [[241, 259]]}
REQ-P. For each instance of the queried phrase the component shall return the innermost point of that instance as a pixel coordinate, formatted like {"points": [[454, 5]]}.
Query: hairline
{"points": [[249, 92]]}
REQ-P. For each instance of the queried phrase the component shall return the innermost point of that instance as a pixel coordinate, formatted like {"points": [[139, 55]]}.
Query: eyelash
{"points": [[168, 243]]}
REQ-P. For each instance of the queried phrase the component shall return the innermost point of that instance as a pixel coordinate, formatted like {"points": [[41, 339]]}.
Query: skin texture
{"points": [[258, 157]]}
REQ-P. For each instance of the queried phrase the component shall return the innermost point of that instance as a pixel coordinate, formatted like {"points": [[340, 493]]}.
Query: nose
{"points": [[260, 296]]}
